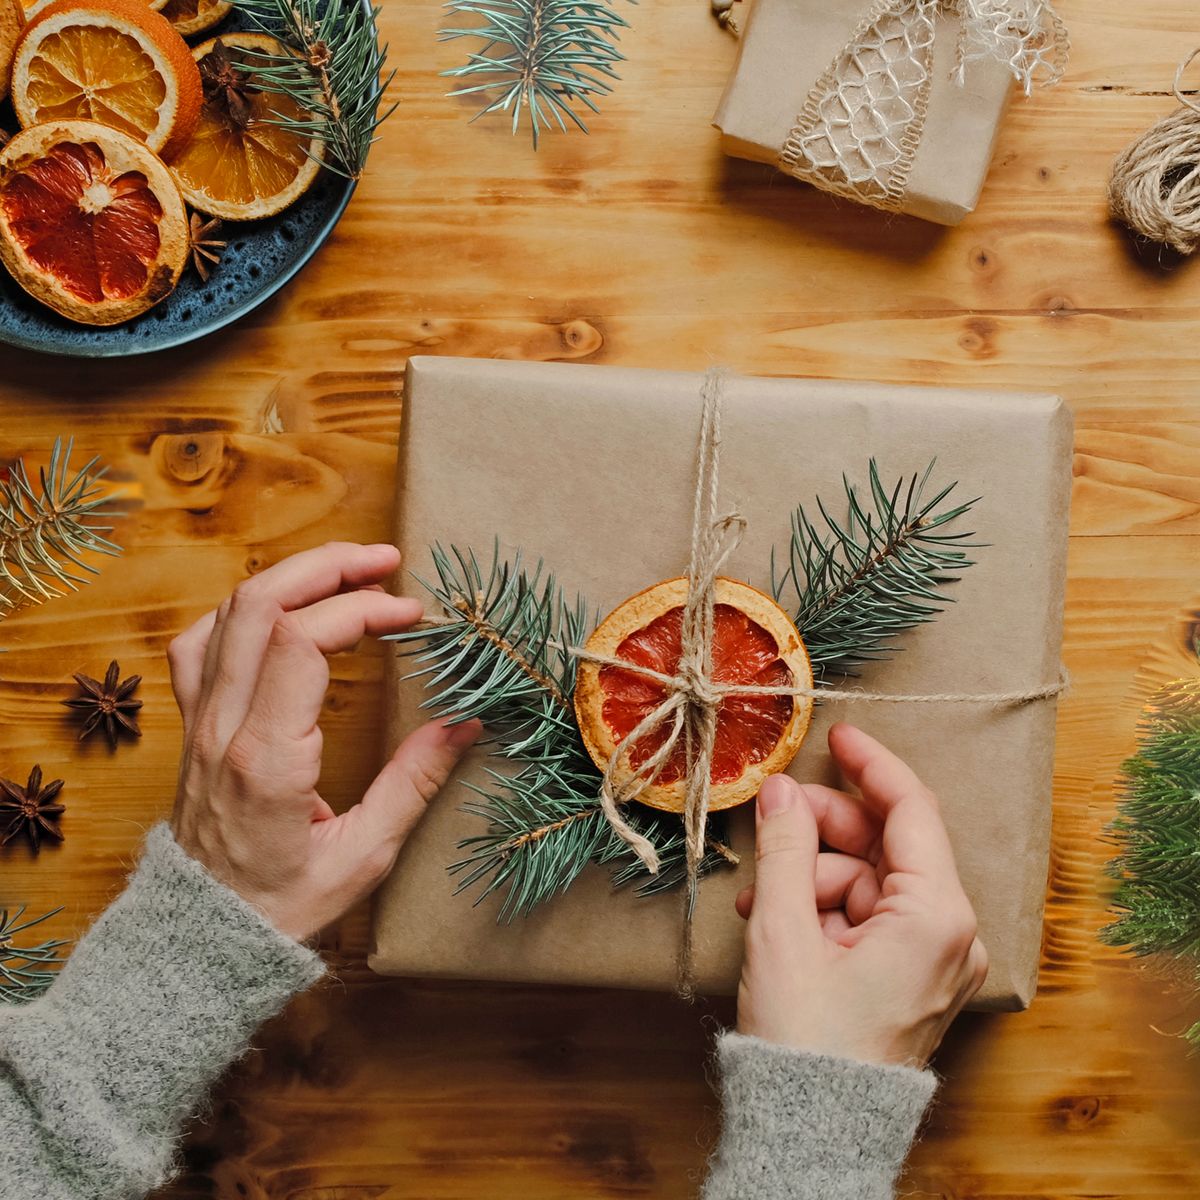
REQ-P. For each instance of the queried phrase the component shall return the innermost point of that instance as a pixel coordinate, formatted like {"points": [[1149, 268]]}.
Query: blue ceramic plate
{"points": [[260, 258]]}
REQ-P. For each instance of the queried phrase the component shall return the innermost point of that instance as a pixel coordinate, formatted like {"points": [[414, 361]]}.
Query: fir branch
{"points": [[499, 654], [46, 531], [25, 971], [545, 825], [334, 73], [544, 57], [1157, 900], [857, 583]]}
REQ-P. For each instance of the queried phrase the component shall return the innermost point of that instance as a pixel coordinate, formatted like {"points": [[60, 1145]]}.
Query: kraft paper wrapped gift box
{"points": [[592, 468], [784, 50]]}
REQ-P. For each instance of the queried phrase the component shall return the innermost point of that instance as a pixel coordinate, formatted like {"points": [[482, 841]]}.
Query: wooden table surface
{"points": [[639, 245]]}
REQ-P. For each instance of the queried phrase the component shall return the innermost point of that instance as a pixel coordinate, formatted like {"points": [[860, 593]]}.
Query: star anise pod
{"points": [[227, 86], [31, 808], [205, 248], [109, 705]]}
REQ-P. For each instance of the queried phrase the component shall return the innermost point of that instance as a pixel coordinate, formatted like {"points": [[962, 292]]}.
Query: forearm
{"points": [[165, 991], [805, 1127]]}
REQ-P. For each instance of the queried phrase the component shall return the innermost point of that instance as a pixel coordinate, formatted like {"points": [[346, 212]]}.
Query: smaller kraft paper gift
{"points": [[891, 103], [656, 588]]}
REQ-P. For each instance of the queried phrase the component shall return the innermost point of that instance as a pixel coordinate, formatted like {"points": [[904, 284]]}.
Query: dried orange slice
{"points": [[12, 21], [190, 17], [112, 61], [91, 222], [754, 643], [241, 165]]}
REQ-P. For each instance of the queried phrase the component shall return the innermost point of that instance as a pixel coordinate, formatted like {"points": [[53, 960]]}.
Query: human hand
{"points": [[866, 950], [250, 682]]}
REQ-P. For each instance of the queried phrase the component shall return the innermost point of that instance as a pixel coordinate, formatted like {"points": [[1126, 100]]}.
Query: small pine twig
{"points": [[499, 653], [45, 531], [25, 971], [334, 73], [545, 826], [544, 57], [858, 583], [1157, 899]]}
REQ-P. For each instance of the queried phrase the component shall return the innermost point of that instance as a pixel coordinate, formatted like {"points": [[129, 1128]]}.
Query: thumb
{"points": [[420, 767], [786, 849]]}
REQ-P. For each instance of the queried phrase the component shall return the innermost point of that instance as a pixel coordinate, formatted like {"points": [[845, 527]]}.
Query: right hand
{"points": [[867, 950]]}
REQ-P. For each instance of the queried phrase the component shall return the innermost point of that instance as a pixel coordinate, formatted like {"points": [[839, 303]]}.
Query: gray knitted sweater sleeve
{"points": [[98, 1076], [164, 992], [808, 1127]]}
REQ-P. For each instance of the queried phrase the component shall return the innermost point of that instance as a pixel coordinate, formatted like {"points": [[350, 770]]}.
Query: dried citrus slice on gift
{"points": [[112, 61], [754, 644], [190, 17], [241, 164], [12, 21], [91, 222]]}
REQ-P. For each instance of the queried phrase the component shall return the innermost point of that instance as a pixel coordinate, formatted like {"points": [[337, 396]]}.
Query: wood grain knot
{"points": [[579, 339], [977, 338], [1075, 1113], [606, 1150], [1059, 306], [982, 260], [189, 458]]}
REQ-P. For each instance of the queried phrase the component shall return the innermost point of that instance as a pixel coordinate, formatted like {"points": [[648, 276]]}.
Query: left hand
{"points": [[250, 680]]}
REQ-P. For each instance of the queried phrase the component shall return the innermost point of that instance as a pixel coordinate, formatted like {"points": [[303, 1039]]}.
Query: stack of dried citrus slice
{"points": [[122, 122]]}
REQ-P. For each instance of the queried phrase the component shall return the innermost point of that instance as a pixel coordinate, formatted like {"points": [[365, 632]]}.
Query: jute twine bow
{"points": [[858, 131], [693, 698], [1155, 184]]}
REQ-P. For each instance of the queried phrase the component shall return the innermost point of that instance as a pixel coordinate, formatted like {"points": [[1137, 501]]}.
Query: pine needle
{"points": [[335, 73], [544, 58], [25, 971], [859, 582], [46, 530]]}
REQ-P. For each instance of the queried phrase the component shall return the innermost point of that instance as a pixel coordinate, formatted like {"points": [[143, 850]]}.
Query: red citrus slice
{"points": [[91, 222], [754, 643]]}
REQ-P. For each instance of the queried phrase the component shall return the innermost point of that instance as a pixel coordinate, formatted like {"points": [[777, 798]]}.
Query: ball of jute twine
{"points": [[1155, 184]]}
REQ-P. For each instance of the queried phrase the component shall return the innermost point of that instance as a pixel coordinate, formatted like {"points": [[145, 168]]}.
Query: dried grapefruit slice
{"points": [[12, 21], [189, 17], [241, 165], [754, 642], [91, 222], [112, 61]]}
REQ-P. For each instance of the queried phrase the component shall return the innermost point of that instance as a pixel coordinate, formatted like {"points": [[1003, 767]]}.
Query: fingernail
{"points": [[775, 796], [462, 737], [384, 550]]}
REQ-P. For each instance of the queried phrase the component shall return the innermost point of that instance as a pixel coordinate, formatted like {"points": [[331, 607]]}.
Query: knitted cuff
{"points": [[808, 1126], [156, 1001]]}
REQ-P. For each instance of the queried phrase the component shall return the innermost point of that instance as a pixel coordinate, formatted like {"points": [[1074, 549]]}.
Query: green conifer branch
{"points": [[858, 582], [46, 530], [25, 971], [334, 73], [1157, 899], [498, 652], [546, 58]]}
